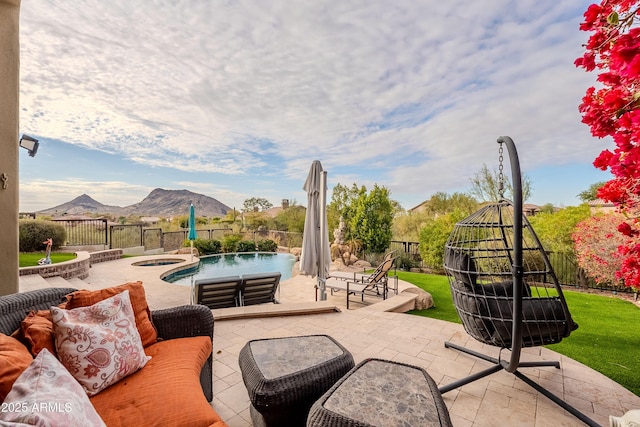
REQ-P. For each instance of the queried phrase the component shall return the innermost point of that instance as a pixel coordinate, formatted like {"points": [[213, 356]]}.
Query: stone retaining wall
{"points": [[106, 255], [78, 267]]}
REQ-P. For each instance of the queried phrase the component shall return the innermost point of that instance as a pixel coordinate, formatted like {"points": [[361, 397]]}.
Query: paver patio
{"points": [[365, 331]]}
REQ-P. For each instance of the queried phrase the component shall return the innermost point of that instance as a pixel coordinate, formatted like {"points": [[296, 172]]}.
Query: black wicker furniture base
{"points": [[381, 393], [285, 376]]}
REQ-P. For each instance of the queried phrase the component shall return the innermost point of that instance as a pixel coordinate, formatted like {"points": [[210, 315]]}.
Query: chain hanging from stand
{"points": [[501, 171]]}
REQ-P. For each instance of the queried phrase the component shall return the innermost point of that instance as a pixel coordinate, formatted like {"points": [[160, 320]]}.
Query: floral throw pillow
{"points": [[99, 344], [46, 395]]}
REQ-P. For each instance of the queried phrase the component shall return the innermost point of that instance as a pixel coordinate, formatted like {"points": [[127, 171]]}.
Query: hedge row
{"points": [[34, 232], [232, 243]]}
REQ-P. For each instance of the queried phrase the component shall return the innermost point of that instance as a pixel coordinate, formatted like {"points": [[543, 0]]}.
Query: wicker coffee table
{"points": [[381, 393], [285, 376]]}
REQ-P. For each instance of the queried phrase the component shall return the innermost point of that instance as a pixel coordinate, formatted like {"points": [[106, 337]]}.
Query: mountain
{"points": [[79, 206], [168, 203], [163, 203]]}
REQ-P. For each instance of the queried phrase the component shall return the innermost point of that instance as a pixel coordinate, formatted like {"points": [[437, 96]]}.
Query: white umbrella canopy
{"points": [[316, 254]]}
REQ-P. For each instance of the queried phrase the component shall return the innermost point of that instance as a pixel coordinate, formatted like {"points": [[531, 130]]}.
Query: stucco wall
{"points": [[9, 94]]}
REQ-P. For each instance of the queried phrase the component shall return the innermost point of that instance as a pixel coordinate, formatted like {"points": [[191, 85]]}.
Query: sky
{"points": [[235, 99]]}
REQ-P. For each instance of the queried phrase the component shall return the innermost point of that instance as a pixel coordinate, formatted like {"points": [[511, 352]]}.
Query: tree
{"points": [[555, 229], [442, 203], [547, 208], [367, 215], [256, 204], [371, 220], [254, 220], [596, 241], [343, 201], [614, 111], [407, 227], [592, 193], [290, 219], [433, 237], [486, 185]]}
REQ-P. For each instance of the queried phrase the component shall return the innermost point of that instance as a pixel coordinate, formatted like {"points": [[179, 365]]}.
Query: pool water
{"points": [[236, 264]]}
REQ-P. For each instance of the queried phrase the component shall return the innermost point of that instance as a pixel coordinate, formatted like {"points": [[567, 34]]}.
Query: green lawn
{"points": [[31, 259], [606, 340]]}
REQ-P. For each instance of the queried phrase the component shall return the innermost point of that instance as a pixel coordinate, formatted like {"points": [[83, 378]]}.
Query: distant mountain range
{"points": [[162, 203]]}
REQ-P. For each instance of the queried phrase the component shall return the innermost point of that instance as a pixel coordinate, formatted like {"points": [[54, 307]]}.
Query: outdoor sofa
{"points": [[173, 388]]}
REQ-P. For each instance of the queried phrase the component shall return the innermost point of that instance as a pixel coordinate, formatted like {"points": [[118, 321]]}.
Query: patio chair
{"points": [[259, 288], [218, 292], [504, 288], [376, 284], [359, 276]]}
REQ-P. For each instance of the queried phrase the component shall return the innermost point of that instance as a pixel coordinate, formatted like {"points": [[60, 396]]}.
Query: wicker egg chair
{"points": [[504, 288]]}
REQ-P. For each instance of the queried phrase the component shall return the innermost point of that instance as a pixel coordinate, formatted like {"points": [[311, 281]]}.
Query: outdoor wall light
{"points": [[30, 144]]}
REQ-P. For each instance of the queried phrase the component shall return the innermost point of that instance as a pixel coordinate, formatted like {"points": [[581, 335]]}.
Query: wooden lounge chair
{"points": [[218, 292], [376, 284], [259, 288]]}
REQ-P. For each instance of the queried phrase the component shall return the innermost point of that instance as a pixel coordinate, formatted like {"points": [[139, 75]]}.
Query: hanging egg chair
{"points": [[479, 256], [503, 286]]}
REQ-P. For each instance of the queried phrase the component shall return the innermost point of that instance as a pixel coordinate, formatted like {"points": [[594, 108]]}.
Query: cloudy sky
{"points": [[235, 98]]}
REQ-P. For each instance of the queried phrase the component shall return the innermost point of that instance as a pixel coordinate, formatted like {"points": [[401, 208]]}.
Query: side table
{"points": [[381, 393], [285, 376]]}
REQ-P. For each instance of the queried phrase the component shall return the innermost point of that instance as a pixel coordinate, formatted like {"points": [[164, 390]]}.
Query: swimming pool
{"points": [[235, 264]]}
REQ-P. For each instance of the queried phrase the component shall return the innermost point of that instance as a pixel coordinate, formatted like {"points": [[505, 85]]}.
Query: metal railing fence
{"points": [[410, 249], [81, 232], [84, 231]]}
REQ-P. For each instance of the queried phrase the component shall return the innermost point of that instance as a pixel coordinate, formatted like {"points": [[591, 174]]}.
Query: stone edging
{"points": [[78, 267]]}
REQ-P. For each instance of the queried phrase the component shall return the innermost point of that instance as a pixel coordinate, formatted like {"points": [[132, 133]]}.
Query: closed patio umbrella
{"points": [[316, 255], [192, 236]]}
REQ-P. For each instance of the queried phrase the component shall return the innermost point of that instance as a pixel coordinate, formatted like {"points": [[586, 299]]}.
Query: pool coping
{"points": [[274, 310]]}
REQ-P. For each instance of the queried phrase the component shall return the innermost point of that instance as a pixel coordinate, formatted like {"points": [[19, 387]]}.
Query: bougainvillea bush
{"points": [[613, 110], [596, 241]]}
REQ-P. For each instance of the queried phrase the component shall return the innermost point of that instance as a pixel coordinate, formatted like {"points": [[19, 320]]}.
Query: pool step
{"points": [[274, 310], [32, 282]]}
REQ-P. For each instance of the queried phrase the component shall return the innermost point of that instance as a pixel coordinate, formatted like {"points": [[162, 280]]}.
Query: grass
{"points": [[438, 287], [606, 339], [31, 259]]}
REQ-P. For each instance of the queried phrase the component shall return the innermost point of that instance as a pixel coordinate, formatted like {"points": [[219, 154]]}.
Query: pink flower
{"points": [[613, 48]]}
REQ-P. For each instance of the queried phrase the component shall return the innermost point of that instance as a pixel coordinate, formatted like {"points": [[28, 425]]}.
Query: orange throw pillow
{"points": [[36, 332], [14, 358], [85, 298]]}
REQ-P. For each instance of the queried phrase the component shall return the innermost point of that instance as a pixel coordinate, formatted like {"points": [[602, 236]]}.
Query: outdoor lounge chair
{"points": [[360, 276], [376, 284], [259, 288], [218, 292]]}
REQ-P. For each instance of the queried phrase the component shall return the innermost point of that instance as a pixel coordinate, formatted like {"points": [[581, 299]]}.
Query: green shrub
{"points": [[230, 242], [206, 246], [34, 232], [434, 235], [246, 246], [406, 262], [267, 245], [373, 258]]}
